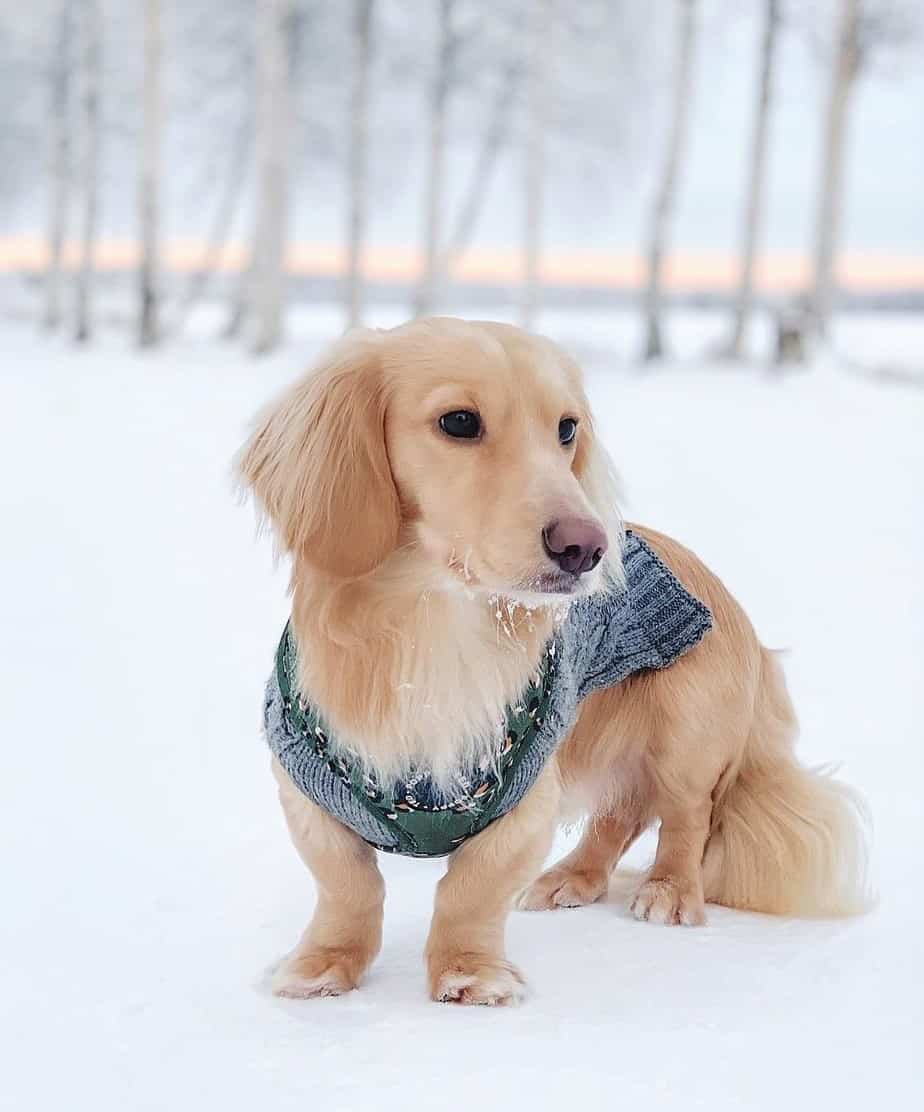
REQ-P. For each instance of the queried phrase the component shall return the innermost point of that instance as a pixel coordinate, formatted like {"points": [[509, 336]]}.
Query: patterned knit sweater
{"points": [[604, 638]]}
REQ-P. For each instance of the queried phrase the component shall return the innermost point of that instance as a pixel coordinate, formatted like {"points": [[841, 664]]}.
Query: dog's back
{"points": [[710, 741]]}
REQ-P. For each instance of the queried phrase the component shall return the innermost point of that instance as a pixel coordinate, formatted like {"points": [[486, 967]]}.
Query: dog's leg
{"points": [[345, 932], [673, 892], [584, 875], [465, 955]]}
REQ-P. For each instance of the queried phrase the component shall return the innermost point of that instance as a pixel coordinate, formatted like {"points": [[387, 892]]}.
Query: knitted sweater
{"points": [[604, 638]]}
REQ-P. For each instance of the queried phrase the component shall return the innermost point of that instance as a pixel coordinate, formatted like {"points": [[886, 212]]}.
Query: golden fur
{"points": [[419, 612]]}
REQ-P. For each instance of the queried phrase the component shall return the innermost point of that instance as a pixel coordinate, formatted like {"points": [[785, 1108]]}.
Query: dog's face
{"points": [[488, 434], [469, 444]]}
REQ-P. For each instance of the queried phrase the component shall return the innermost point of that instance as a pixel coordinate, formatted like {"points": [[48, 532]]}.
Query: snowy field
{"points": [[148, 882]]}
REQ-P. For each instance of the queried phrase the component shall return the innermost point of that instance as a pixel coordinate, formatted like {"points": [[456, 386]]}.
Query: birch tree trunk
{"points": [[60, 168], [149, 183], [831, 184], [359, 144], [667, 187], [240, 300], [754, 201], [535, 157], [493, 140], [222, 224], [434, 200], [91, 31], [267, 288]]}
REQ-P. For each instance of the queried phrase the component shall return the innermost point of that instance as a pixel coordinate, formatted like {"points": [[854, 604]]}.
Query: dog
{"points": [[448, 507]]}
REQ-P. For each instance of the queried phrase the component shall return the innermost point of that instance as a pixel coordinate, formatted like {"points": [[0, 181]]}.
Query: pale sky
{"points": [[599, 203], [884, 209]]}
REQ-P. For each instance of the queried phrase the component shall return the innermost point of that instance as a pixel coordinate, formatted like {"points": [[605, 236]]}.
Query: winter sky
{"points": [[601, 165]]}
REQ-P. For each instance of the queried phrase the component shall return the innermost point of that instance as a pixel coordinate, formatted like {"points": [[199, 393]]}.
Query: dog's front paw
{"points": [[669, 900], [563, 887], [318, 972], [475, 979]]}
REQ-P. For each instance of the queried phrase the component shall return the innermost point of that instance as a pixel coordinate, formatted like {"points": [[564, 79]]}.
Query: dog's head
{"points": [[469, 444]]}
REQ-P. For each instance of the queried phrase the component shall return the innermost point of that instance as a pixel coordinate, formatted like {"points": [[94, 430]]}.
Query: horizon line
{"points": [[775, 271]]}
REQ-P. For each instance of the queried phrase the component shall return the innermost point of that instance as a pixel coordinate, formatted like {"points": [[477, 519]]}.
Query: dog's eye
{"points": [[567, 427], [461, 424]]}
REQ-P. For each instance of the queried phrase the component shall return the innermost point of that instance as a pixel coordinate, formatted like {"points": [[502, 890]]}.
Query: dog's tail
{"points": [[786, 839]]}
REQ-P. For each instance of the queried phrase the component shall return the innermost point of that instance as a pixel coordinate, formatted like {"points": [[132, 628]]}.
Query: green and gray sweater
{"points": [[604, 638]]}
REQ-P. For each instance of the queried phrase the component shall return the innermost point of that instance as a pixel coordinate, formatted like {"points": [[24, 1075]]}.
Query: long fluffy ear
{"points": [[599, 481], [318, 465]]}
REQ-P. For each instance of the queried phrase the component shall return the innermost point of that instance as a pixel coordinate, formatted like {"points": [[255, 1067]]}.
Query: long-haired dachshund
{"points": [[478, 648]]}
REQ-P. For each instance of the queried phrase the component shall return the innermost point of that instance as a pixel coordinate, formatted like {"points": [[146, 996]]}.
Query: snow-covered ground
{"points": [[147, 879]]}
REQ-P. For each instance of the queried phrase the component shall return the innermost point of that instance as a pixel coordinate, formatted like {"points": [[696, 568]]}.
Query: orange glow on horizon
{"points": [[777, 272]]}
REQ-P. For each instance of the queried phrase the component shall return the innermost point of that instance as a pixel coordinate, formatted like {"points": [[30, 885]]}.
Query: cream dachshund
{"points": [[479, 649]]}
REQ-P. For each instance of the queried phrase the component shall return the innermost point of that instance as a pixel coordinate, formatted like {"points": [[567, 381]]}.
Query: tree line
{"points": [[513, 49]]}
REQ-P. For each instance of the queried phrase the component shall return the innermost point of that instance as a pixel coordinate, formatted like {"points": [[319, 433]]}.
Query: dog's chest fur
{"points": [[604, 639], [429, 685]]}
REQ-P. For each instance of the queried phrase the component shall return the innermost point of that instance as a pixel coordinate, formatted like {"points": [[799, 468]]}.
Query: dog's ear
{"points": [[601, 485], [318, 465]]}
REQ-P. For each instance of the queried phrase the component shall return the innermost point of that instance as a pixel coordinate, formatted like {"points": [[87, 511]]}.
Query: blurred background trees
{"points": [[669, 177], [275, 33], [865, 31], [201, 146], [358, 178], [88, 128], [149, 184], [753, 211]]}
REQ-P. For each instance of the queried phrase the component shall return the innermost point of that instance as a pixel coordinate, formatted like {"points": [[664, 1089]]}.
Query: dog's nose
{"points": [[574, 543]]}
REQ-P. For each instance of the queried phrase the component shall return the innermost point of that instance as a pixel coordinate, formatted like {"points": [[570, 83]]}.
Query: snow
{"points": [[148, 880]]}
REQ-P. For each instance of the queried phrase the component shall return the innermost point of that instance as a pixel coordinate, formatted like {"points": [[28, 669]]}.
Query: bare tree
{"points": [[864, 28], [493, 140], [91, 32], [584, 51], [60, 131], [218, 236], [358, 175], [434, 200], [667, 187], [754, 199], [843, 74], [535, 155], [240, 297], [273, 112], [149, 183]]}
